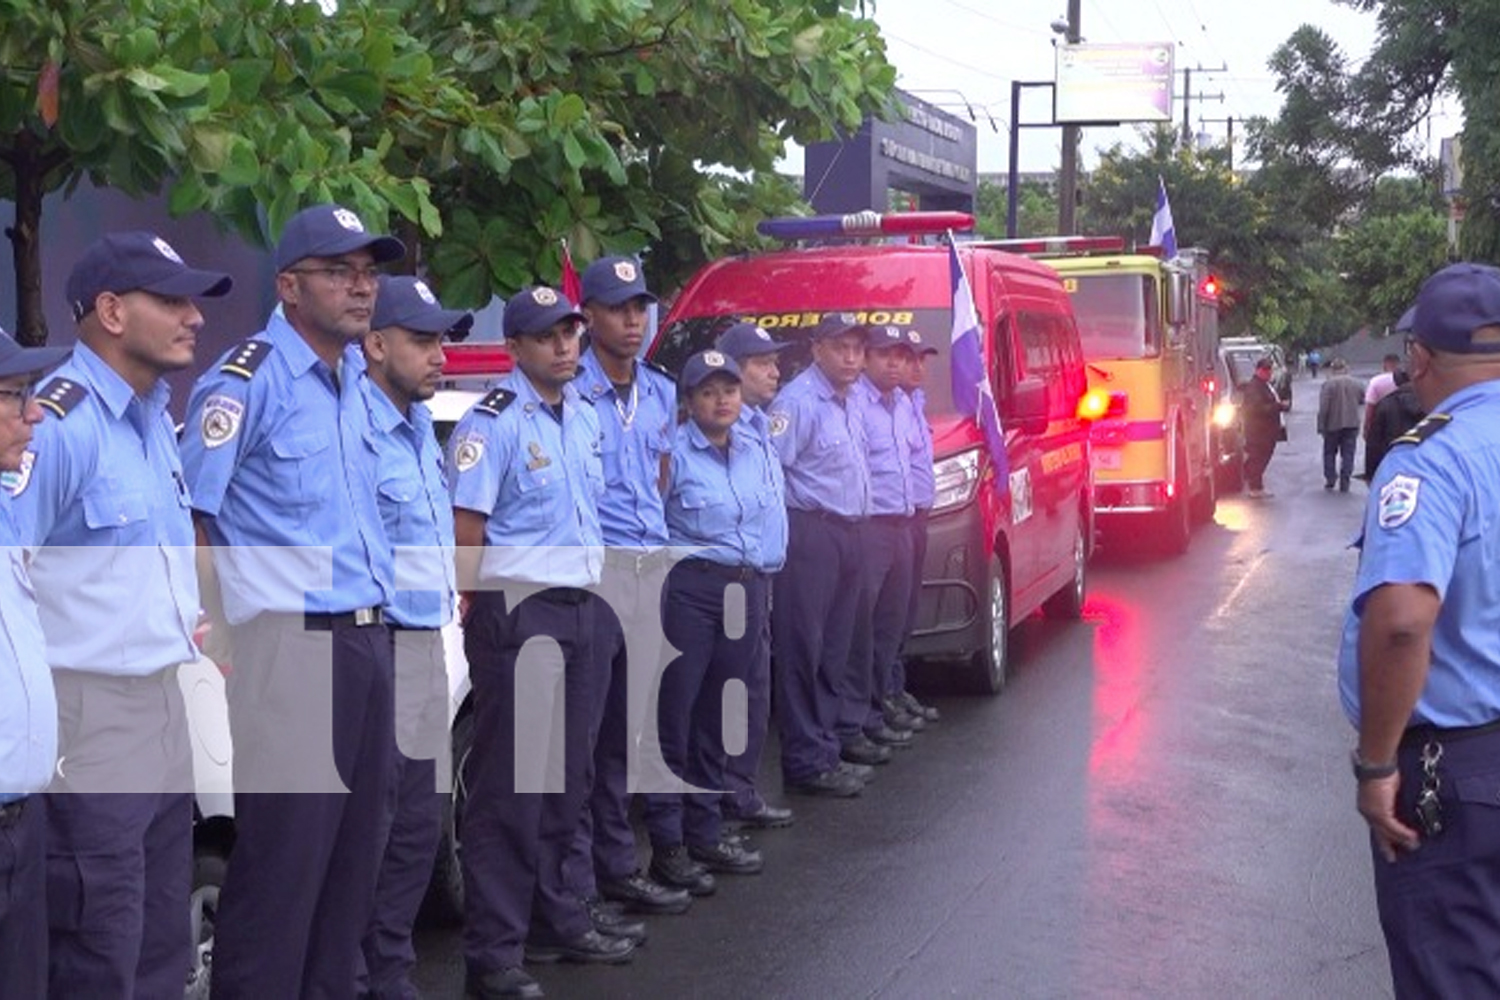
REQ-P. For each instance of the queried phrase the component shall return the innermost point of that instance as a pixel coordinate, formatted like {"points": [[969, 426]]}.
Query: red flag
{"points": [[572, 286]]}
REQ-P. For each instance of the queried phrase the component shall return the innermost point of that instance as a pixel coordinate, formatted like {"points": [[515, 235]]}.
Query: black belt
{"points": [[328, 622], [827, 515], [1416, 736], [743, 574], [562, 595], [414, 628], [894, 520], [11, 813]]}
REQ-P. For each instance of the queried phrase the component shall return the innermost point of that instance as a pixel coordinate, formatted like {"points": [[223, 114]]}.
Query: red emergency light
{"points": [[1209, 287], [867, 223], [475, 359]]}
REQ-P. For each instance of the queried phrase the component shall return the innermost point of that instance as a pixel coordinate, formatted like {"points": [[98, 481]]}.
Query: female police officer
{"points": [[723, 502]]}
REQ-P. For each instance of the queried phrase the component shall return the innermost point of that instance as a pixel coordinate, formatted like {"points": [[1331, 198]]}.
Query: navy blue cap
{"points": [[407, 302], [535, 310], [836, 325], [137, 261], [746, 340], [705, 364], [18, 360], [1453, 303], [330, 231], [915, 342], [886, 336], [1403, 325], [612, 280]]}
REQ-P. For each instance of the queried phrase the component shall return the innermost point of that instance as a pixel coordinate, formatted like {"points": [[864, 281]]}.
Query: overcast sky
{"points": [[977, 47]]}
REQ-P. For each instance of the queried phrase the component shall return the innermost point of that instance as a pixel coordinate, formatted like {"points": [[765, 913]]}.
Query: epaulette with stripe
{"points": [[60, 395], [245, 359], [495, 402], [1426, 428], [653, 366]]}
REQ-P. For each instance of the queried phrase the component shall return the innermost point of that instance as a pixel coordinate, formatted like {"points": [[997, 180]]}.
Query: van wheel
{"points": [[1206, 501], [1067, 603], [1176, 523], [209, 866], [1232, 475], [444, 903], [990, 667]]}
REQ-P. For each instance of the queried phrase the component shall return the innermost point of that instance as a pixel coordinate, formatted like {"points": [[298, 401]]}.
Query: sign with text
{"points": [[1113, 83]]}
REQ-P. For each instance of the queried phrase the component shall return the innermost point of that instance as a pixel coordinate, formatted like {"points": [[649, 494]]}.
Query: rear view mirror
{"points": [[1179, 299], [1028, 406]]}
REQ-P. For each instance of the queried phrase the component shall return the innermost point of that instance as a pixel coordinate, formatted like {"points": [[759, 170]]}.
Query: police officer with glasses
{"points": [[105, 499], [525, 477], [282, 467], [402, 361], [28, 706], [1419, 662]]}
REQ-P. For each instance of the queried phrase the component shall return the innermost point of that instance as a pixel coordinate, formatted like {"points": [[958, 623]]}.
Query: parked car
{"points": [[1241, 354], [1228, 427]]}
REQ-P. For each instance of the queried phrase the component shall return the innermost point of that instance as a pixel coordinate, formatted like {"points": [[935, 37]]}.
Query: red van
{"points": [[1003, 542]]}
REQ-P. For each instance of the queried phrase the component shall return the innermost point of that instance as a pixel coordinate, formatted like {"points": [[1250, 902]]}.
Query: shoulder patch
{"points": [[245, 359], [1426, 428], [780, 421], [495, 403], [60, 396], [467, 451], [1398, 501], [15, 482], [220, 420]]}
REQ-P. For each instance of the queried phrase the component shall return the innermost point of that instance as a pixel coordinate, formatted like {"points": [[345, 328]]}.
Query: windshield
{"points": [[1117, 315], [684, 338]]}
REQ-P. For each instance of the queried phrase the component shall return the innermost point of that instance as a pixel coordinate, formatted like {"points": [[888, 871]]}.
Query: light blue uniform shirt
{"points": [[285, 465], [537, 482], [414, 506], [727, 505], [923, 481], [821, 440], [637, 432], [755, 421], [106, 500], [28, 706], [890, 423], [1432, 518]]}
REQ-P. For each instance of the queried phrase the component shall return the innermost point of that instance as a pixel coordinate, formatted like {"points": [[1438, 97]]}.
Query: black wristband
{"points": [[1366, 771]]}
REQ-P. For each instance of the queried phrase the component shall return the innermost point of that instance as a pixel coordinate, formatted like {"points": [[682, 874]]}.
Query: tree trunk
{"points": [[25, 240]]}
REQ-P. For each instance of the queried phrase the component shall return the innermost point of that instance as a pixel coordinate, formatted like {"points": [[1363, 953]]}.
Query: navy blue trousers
{"points": [[918, 529], [742, 770], [881, 626], [717, 647], [516, 841], [23, 901], [300, 887], [1440, 905], [812, 626]]}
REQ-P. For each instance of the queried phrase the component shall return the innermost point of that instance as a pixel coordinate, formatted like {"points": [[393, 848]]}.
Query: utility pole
{"points": [[1067, 195], [1229, 121], [1187, 98]]}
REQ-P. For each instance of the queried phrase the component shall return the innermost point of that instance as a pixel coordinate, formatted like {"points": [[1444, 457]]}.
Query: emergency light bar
{"points": [[866, 223], [475, 359], [1058, 245]]}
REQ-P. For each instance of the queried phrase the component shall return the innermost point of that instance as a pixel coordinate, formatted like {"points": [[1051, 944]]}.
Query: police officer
{"points": [[903, 706], [104, 497], [756, 353], [402, 358], [721, 503], [28, 706], [636, 404], [890, 430], [280, 460], [820, 437], [525, 477], [1420, 659]]}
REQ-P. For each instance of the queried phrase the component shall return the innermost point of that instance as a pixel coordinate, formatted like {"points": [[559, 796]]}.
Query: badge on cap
{"points": [[914, 337], [166, 250], [221, 420], [625, 270], [348, 220], [760, 332], [1398, 501], [544, 296], [14, 482], [469, 451], [713, 359], [780, 421], [424, 293]]}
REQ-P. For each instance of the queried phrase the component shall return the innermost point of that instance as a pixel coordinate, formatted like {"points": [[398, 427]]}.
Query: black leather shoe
{"points": [[862, 750], [911, 704], [764, 817], [832, 784], [502, 984], [675, 869], [862, 772], [639, 894], [887, 737], [898, 718], [609, 921], [588, 948], [728, 857]]}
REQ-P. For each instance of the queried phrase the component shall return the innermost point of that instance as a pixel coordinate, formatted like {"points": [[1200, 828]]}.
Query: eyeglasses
{"points": [[21, 397], [345, 275]]}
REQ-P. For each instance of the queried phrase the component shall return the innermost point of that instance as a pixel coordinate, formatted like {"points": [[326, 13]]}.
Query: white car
{"points": [[471, 370]]}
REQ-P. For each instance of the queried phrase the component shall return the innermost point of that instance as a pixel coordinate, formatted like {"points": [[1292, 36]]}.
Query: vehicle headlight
{"points": [[1224, 414], [956, 479]]}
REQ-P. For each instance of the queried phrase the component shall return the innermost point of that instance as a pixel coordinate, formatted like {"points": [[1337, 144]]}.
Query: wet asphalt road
{"points": [[1158, 805]]}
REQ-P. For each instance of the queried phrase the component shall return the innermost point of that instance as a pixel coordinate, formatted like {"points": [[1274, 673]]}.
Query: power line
{"points": [[992, 18], [946, 57]]}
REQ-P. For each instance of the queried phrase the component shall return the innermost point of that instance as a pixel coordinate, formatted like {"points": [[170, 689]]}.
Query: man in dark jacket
{"points": [[1262, 410], [1395, 414]]}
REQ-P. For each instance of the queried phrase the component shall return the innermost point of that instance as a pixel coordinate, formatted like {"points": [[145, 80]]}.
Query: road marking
{"points": [[1228, 602]]}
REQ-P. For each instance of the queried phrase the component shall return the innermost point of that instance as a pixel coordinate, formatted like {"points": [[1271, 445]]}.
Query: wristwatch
{"points": [[1366, 771]]}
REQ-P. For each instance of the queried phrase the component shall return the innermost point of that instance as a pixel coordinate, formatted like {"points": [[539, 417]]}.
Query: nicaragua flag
{"points": [[1163, 233], [972, 393]]}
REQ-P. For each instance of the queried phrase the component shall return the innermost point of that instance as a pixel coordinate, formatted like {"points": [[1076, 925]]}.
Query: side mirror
{"points": [[1179, 298], [1028, 406]]}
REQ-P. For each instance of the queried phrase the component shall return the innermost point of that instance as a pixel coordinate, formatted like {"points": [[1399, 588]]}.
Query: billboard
{"points": [[1107, 84]]}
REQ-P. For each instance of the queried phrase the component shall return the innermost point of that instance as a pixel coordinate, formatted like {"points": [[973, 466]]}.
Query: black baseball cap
{"points": [[407, 302], [137, 261], [328, 231]]}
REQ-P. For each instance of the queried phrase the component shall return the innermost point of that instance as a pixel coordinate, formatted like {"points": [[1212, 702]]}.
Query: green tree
{"points": [[1036, 210], [1398, 239]]}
